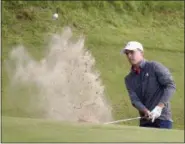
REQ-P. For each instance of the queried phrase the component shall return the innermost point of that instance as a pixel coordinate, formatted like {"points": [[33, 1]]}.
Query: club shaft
{"points": [[123, 120]]}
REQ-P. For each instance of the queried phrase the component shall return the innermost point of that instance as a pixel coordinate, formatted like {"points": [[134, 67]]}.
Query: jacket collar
{"points": [[141, 66]]}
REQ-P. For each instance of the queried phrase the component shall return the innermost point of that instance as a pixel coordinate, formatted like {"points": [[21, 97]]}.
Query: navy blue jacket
{"points": [[154, 84]]}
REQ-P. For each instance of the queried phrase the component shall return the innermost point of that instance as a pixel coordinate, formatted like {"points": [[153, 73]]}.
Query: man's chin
{"points": [[133, 63]]}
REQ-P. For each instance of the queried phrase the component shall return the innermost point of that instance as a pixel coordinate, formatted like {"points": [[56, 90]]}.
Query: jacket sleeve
{"points": [[133, 97], [166, 81]]}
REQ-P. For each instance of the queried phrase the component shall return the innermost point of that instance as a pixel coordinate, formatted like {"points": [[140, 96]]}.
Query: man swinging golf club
{"points": [[150, 87]]}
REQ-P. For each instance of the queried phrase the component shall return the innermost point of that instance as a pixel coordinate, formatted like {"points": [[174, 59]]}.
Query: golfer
{"points": [[150, 86]]}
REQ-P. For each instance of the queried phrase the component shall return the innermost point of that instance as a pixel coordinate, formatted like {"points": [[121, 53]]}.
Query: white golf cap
{"points": [[132, 45]]}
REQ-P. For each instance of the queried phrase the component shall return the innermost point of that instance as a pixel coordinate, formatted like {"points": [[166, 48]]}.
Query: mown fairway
{"points": [[33, 130]]}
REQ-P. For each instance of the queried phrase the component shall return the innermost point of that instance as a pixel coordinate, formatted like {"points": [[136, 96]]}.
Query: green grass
{"points": [[107, 27], [38, 130]]}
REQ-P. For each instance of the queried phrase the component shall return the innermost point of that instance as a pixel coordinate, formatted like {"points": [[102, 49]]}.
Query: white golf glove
{"points": [[155, 113]]}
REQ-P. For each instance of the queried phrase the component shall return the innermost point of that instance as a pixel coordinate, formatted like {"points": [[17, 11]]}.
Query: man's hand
{"points": [[146, 114], [155, 113]]}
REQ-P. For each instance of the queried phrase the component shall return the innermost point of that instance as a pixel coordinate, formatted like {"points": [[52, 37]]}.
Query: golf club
{"points": [[123, 120]]}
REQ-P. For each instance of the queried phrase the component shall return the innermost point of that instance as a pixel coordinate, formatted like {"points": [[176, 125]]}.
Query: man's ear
{"points": [[142, 53]]}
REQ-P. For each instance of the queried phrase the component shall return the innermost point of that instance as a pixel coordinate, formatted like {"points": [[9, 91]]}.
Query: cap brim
{"points": [[127, 48]]}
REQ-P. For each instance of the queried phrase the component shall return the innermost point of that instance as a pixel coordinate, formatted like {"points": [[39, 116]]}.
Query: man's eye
{"points": [[131, 52]]}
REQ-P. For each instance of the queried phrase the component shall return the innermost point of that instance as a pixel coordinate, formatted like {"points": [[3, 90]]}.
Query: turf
{"points": [[38, 130], [107, 27]]}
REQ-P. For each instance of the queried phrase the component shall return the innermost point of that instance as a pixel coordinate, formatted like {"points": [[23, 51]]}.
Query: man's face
{"points": [[134, 57]]}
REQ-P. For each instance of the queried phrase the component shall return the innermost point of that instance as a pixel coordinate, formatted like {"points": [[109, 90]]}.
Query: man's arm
{"points": [[165, 79], [134, 98]]}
